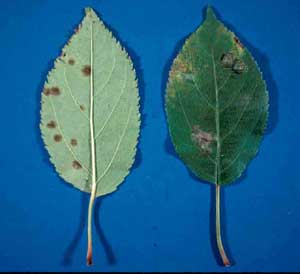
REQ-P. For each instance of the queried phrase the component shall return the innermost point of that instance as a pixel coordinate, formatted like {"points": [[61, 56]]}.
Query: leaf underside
{"points": [[216, 103], [65, 112]]}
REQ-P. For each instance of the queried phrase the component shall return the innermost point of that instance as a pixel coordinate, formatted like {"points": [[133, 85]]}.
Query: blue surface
{"points": [[160, 218]]}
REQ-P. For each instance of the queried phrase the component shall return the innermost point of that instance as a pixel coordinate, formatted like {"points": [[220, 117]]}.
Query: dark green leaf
{"points": [[216, 103]]}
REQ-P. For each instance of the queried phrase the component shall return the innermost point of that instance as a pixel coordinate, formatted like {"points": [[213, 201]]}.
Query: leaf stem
{"points": [[89, 258], [222, 253], [217, 168]]}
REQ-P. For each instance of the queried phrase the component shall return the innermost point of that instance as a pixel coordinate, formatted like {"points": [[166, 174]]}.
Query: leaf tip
{"points": [[88, 10], [210, 13], [91, 14]]}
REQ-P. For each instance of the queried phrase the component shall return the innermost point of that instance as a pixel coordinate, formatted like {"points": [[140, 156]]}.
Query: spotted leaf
{"points": [[217, 107], [89, 115], [216, 103]]}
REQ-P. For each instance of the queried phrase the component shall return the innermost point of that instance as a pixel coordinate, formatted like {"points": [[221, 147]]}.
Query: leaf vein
{"points": [[117, 147], [234, 97], [115, 106], [72, 95], [242, 113], [199, 92], [109, 76], [188, 122], [240, 150], [64, 139]]}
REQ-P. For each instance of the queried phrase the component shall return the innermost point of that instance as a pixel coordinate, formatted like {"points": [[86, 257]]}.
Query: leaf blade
{"points": [[222, 110], [71, 74]]}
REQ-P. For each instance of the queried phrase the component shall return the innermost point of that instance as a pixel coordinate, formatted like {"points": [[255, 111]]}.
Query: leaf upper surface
{"points": [[216, 103]]}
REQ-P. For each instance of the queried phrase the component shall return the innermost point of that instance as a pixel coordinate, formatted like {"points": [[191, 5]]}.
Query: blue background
{"points": [[160, 219]]}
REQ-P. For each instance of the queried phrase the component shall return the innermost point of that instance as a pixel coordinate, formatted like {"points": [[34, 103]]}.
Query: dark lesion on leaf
{"points": [[55, 91], [82, 108], [238, 42], [51, 124], [180, 68], [227, 59], [86, 70], [47, 91], [202, 139], [52, 91], [71, 61], [76, 165], [77, 29], [74, 142], [239, 66], [57, 138]]}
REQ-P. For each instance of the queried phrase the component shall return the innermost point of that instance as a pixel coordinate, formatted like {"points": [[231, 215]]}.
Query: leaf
{"points": [[90, 115], [216, 104]]}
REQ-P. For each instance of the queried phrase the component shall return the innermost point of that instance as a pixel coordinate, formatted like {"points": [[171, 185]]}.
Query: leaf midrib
{"points": [[218, 139], [95, 178], [92, 138], [217, 120]]}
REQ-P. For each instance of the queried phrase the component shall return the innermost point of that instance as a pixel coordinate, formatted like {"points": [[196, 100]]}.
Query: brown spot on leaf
{"points": [[238, 42], [227, 60], [76, 165], [77, 29], [47, 91], [86, 70], [71, 61], [51, 124], [55, 91], [181, 65], [202, 139], [82, 108], [180, 68], [57, 138], [239, 66], [74, 142]]}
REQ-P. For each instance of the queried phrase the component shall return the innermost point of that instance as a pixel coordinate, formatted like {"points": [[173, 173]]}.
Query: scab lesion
{"points": [[57, 138], [181, 69], [227, 59], [74, 142], [202, 139], [47, 91], [238, 42], [76, 165], [71, 61], [51, 124], [239, 66], [55, 91], [86, 70], [230, 61]]}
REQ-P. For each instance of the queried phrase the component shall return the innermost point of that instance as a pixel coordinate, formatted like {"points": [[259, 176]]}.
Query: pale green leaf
{"points": [[66, 116], [90, 114]]}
